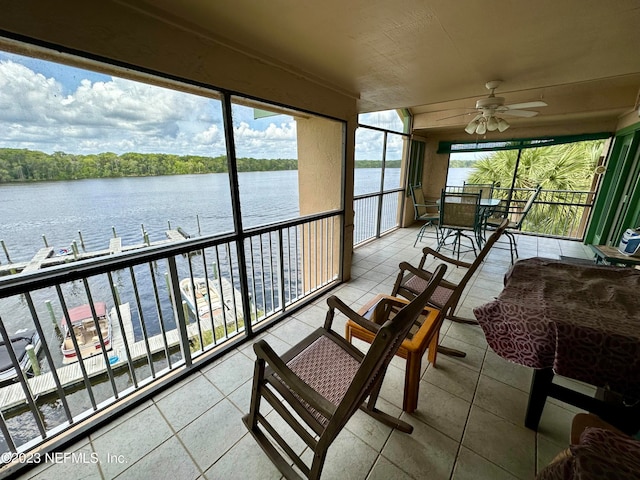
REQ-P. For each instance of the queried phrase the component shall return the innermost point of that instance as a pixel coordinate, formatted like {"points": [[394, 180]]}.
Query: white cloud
{"points": [[275, 141], [210, 136], [369, 145], [118, 116]]}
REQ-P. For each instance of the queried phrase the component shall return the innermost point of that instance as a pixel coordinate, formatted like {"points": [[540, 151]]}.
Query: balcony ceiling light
{"points": [[471, 128], [481, 124], [502, 125]]}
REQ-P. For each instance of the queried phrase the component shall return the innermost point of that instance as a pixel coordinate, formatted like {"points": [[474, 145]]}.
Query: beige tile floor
{"points": [[468, 425]]}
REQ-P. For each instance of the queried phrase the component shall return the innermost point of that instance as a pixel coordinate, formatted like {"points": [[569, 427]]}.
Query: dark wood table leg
{"points": [[540, 385]]}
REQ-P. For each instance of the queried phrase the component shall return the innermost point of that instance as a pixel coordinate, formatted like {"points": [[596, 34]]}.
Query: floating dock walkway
{"points": [[45, 256]]}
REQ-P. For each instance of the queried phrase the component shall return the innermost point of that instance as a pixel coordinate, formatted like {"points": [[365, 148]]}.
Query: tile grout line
{"points": [[466, 421]]}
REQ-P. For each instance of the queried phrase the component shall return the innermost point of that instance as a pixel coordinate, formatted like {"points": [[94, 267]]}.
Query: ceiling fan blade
{"points": [[458, 115], [519, 106], [518, 113]]}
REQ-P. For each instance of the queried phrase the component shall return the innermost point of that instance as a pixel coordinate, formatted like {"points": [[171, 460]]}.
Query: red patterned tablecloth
{"points": [[582, 320]]}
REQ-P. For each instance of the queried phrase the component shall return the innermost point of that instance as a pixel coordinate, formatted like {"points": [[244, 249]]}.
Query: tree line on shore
{"points": [[23, 165], [455, 163]]}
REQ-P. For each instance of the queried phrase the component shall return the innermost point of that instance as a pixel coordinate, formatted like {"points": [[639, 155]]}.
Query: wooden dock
{"points": [[46, 258], [70, 375], [36, 262]]}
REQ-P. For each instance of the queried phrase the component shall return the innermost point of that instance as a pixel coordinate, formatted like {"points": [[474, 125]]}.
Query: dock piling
{"points": [[166, 279], [81, 240], [6, 252], [198, 221], [33, 360], [185, 309], [74, 247], [116, 293], [113, 229], [53, 317], [44, 239]]}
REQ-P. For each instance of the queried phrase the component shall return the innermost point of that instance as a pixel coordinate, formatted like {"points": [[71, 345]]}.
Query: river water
{"points": [[199, 204], [90, 210]]}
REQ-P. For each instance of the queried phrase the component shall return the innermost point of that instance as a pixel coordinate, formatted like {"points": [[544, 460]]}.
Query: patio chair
{"points": [[319, 384], [424, 211], [412, 281], [516, 216], [459, 213]]}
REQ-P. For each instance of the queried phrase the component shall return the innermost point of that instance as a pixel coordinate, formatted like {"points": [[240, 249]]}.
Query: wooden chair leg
{"points": [[317, 464], [468, 321], [411, 382], [452, 352], [369, 407], [433, 349]]}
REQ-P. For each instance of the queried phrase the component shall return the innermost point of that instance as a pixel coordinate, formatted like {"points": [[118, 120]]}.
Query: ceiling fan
{"points": [[492, 109]]}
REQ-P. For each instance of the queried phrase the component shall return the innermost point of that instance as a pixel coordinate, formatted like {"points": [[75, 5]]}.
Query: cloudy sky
{"points": [[52, 107]]}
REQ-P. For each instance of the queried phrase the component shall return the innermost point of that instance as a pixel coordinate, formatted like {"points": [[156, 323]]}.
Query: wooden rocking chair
{"points": [[411, 281], [319, 384]]}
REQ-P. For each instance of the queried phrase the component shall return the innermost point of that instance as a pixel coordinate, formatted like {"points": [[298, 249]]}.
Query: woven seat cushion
{"points": [[328, 369], [417, 285]]}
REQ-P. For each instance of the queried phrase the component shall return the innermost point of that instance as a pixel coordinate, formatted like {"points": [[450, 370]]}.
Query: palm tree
{"points": [[562, 170]]}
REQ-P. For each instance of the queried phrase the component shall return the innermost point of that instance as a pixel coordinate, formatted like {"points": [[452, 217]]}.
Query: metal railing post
{"points": [[181, 321]]}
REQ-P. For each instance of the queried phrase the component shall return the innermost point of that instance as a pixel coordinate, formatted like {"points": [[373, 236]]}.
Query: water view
{"points": [[89, 211]]}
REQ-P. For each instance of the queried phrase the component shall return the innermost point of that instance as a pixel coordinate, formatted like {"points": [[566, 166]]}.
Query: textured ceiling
{"points": [[579, 56]]}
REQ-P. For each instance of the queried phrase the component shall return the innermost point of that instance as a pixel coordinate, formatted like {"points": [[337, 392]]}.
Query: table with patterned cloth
{"points": [[575, 320]]}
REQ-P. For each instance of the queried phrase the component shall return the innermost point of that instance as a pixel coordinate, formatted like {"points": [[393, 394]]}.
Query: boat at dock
{"points": [[206, 299], [19, 342], [84, 327]]}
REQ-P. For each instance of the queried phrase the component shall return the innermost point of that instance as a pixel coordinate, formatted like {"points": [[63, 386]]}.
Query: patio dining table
{"points": [[486, 207], [574, 320]]}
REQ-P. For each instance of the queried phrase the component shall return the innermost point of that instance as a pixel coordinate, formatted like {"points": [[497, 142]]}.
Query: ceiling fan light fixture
{"points": [[471, 128], [487, 108]]}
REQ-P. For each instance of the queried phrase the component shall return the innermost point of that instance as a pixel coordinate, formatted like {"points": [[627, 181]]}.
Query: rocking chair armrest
{"points": [[428, 251], [335, 303], [264, 352], [423, 274]]}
